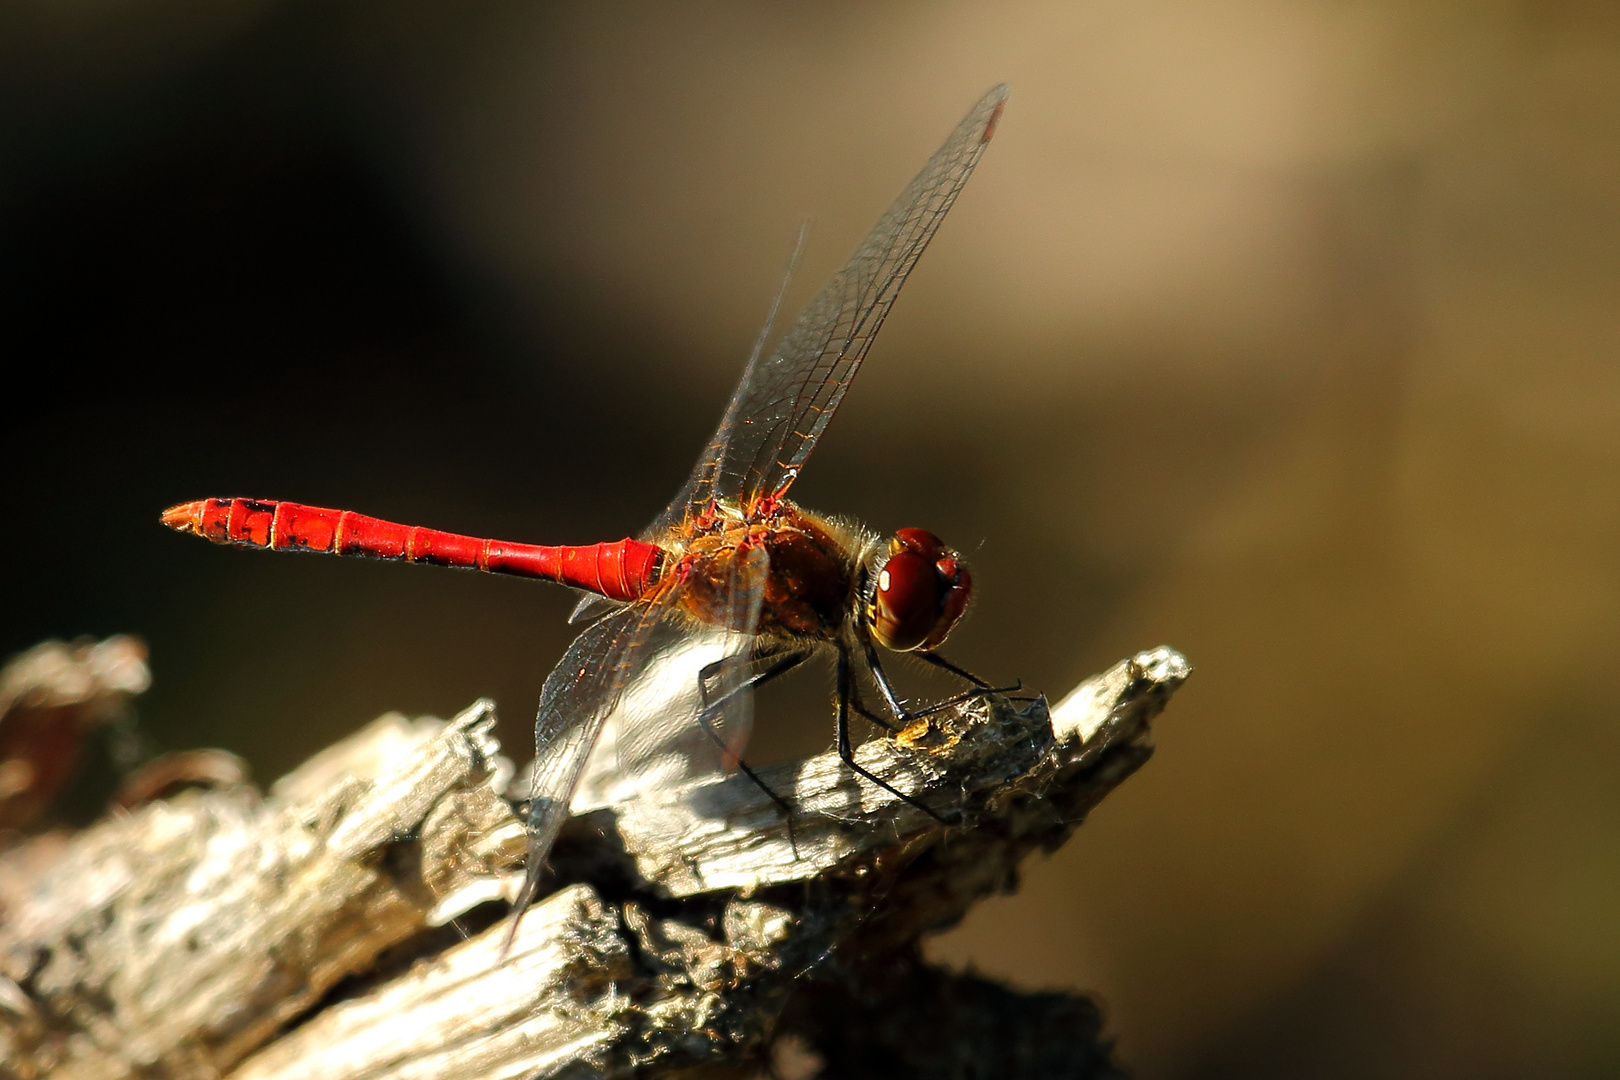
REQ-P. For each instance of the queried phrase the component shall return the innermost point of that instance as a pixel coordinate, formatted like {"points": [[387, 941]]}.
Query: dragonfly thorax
{"points": [[809, 585]]}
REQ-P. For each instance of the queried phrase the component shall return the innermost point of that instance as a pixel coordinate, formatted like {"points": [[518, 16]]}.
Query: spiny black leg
{"points": [[951, 702], [868, 715], [938, 661], [780, 666], [885, 687], [846, 684], [962, 698], [877, 721], [980, 687], [704, 719]]}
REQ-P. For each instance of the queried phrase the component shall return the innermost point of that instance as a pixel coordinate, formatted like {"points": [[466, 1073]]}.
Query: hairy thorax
{"points": [[809, 587]]}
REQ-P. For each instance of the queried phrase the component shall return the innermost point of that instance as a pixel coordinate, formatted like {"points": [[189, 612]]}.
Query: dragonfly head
{"points": [[919, 590]]}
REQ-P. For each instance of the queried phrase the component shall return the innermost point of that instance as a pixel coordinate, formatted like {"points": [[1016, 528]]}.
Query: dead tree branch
{"points": [[348, 923]]}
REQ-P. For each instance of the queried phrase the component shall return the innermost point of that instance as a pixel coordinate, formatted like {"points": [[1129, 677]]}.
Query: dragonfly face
{"points": [[917, 591]]}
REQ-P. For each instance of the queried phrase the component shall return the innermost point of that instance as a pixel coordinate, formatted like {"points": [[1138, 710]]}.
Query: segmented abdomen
{"points": [[619, 571]]}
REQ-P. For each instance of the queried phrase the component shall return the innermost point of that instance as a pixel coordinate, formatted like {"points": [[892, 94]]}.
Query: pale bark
{"points": [[349, 922]]}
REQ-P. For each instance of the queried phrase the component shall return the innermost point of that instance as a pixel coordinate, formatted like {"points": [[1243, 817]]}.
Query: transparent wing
{"points": [[699, 485], [689, 713], [591, 606], [787, 397], [579, 695], [730, 712]]}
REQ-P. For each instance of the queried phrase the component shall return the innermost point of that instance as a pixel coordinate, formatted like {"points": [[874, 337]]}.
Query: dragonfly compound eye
{"points": [[920, 594]]}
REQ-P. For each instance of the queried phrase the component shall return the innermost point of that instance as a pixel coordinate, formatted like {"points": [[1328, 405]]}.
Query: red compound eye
{"points": [[959, 587], [921, 592]]}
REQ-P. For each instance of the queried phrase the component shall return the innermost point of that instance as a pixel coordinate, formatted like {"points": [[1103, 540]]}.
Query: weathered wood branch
{"points": [[349, 922], [51, 698]]}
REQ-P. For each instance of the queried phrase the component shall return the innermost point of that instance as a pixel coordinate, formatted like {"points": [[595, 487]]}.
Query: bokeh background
{"points": [[1281, 331]]}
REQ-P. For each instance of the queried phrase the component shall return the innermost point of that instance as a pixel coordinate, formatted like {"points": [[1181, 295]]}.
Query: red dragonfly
{"points": [[733, 585]]}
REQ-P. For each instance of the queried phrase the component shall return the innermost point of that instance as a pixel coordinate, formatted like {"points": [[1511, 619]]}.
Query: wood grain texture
{"points": [[349, 922]]}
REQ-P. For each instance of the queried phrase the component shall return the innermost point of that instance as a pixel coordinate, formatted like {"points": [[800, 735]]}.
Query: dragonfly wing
{"points": [[699, 487], [787, 398], [578, 697], [591, 606], [731, 712], [687, 714], [652, 738]]}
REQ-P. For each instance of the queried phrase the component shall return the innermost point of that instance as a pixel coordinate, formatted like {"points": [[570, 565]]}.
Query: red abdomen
{"points": [[619, 571]]}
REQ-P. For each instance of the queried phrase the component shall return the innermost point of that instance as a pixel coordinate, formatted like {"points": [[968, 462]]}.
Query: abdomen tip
{"points": [[185, 517]]}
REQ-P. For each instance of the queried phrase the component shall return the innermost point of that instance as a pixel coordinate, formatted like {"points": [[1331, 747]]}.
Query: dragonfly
{"points": [[733, 585]]}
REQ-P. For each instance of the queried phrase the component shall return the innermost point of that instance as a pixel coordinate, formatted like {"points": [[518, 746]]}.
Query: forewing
{"points": [[699, 485], [786, 400], [652, 737], [787, 397]]}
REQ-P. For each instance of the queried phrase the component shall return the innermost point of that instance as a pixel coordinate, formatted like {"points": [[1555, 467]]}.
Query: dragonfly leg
{"points": [[961, 673], [780, 666], [705, 718], [846, 752], [877, 720], [905, 715], [897, 708]]}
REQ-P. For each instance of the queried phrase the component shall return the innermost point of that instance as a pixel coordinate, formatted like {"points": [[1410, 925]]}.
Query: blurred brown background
{"points": [[1282, 332]]}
